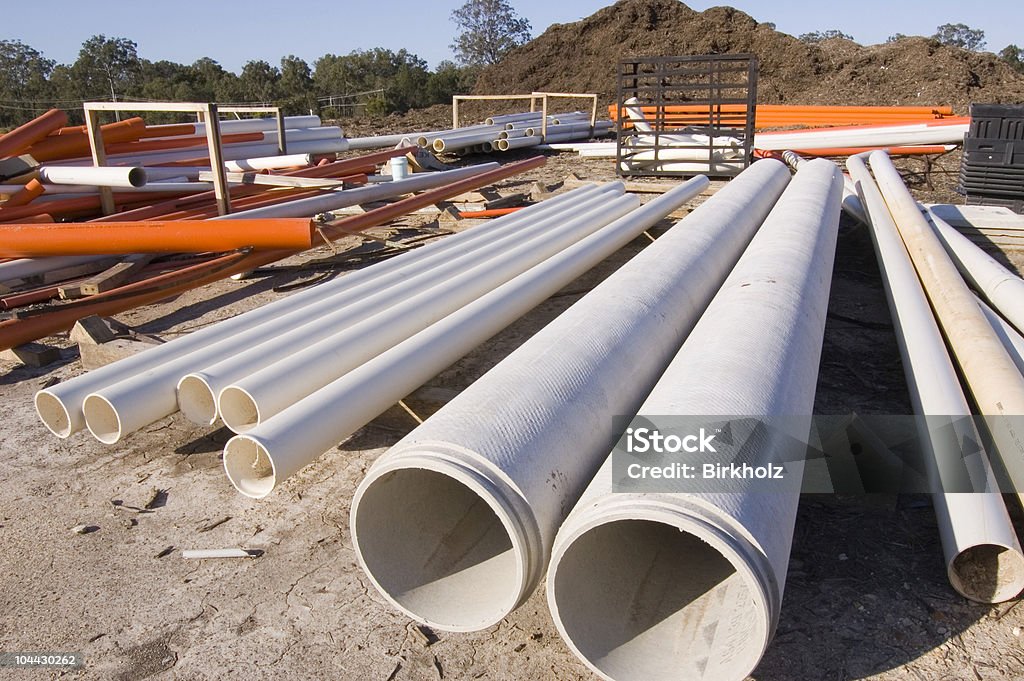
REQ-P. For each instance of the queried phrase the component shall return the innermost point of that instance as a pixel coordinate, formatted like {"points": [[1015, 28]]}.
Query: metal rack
{"points": [[713, 97]]}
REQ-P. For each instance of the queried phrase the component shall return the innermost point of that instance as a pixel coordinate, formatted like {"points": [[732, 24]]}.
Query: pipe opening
{"points": [[238, 409], [101, 419], [53, 414], [437, 550], [137, 177], [249, 467], [197, 401], [988, 573], [644, 600]]}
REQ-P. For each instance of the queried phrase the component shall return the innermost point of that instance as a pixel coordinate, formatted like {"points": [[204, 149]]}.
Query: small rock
{"points": [[1016, 631], [843, 556], [84, 529]]}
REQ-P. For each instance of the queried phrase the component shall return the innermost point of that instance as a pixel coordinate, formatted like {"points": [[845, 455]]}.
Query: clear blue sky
{"points": [[235, 32]]}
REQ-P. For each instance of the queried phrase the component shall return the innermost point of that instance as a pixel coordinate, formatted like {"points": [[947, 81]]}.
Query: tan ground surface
{"points": [[866, 597]]}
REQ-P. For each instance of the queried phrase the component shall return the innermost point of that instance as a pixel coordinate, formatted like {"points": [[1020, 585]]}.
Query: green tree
{"points": [[24, 83], [487, 30], [449, 79], [296, 86], [258, 81], [894, 37], [818, 36], [107, 68], [960, 35], [1014, 56]]}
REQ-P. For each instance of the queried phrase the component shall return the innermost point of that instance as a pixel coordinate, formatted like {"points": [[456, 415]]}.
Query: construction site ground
{"points": [[866, 597]]}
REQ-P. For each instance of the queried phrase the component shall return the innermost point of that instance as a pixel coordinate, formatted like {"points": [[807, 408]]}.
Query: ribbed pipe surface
{"points": [[689, 586], [525, 439]]}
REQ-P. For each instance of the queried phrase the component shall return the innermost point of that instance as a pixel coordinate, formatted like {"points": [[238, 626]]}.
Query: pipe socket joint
{"points": [[446, 538]]}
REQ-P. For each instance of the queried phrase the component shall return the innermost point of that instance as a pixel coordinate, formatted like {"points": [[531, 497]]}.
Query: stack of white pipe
{"points": [[259, 459], [982, 555], [231, 127], [455, 523], [60, 406], [324, 140]]}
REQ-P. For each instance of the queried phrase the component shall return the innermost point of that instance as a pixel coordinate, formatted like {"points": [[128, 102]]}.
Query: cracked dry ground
{"points": [[866, 596]]}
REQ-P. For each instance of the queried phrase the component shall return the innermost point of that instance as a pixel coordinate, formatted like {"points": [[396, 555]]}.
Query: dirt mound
{"points": [[582, 57]]}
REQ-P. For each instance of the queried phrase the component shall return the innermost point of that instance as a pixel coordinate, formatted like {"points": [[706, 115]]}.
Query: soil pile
{"points": [[582, 57]]}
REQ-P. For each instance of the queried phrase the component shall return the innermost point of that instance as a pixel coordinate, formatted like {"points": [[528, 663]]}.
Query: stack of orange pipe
{"points": [[19, 140], [787, 115], [75, 143], [14, 332]]}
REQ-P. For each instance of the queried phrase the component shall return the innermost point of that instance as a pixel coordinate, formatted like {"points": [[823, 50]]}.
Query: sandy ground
{"points": [[866, 596]]}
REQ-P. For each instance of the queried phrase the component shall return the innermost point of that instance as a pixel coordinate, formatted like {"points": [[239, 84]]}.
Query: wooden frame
{"points": [[533, 97], [207, 112]]}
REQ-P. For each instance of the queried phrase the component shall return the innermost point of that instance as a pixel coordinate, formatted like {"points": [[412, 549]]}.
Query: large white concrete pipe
{"points": [[343, 198], [454, 524], [1003, 289], [60, 406], [982, 555], [261, 459], [99, 177], [267, 388], [123, 407], [198, 390], [658, 586], [851, 201], [989, 373]]}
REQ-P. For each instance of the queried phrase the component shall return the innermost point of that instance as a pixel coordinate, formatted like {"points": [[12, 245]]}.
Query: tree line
{"points": [[374, 82]]}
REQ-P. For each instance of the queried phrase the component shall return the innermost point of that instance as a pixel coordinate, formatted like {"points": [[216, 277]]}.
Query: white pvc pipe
{"points": [[889, 136], [230, 152], [259, 460], [343, 198], [982, 555], [268, 388], [518, 143], [376, 142], [23, 268], [198, 390], [1008, 336], [199, 554], [100, 177], [1003, 289], [230, 126], [473, 497], [671, 585], [149, 379], [60, 406], [456, 142], [989, 373], [242, 165], [636, 115]]}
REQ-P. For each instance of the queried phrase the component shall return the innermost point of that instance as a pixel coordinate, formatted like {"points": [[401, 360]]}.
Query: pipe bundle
{"points": [[454, 524], [983, 558], [498, 133]]}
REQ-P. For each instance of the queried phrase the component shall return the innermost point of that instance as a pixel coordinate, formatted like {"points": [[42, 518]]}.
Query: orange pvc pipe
{"points": [[174, 130], [76, 145], [179, 143], [188, 236], [78, 205], [14, 332], [489, 213], [892, 151], [19, 140], [32, 191]]}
